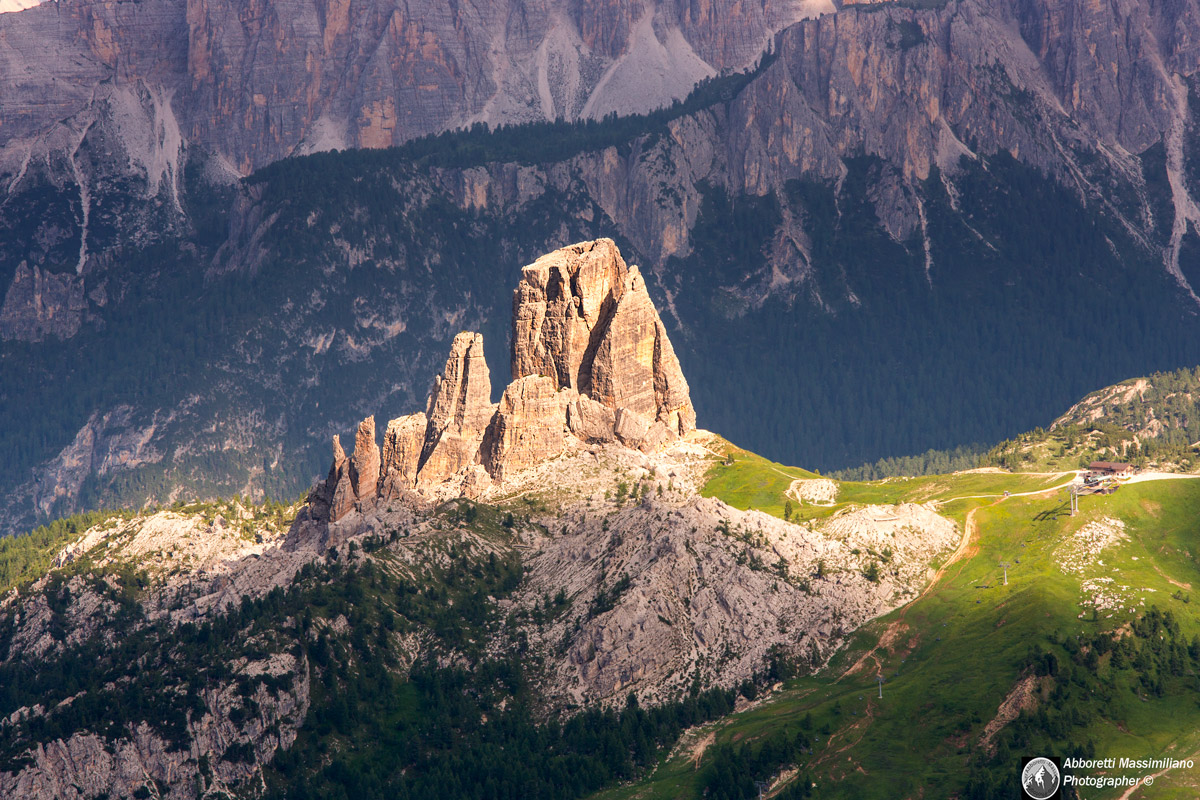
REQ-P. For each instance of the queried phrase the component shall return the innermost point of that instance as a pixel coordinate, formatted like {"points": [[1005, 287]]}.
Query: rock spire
{"points": [[460, 408], [584, 318], [591, 364]]}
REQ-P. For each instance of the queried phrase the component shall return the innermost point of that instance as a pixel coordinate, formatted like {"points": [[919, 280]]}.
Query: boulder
{"points": [[340, 489], [659, 434], [591, 421], [631, 428], [475, 482]]}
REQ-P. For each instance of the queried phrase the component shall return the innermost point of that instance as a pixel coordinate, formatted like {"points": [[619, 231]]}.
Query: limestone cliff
{"points": [[460, 407], [529, 426], [919, 88], [591, 363], [258, 82], [42, 304], [364, 467], [584, 318], [402, 445], [350, 479]]}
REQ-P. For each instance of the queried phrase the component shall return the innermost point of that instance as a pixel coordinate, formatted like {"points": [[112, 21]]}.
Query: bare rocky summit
{"points": [[584, 318], [591, 362], [460, 408]]}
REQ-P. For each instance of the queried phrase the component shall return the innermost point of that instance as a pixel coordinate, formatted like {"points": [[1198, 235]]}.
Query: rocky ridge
{"points": [[86, 765], [706, 590], [662, 585], [194, 566], [591, 363]]}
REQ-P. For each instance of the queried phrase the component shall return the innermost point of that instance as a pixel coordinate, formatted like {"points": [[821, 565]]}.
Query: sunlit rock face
{"points": [[8, 6], [591, 364], [258, 82], [581, 316]]}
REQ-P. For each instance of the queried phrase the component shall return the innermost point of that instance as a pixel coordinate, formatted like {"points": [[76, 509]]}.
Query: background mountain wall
{"points": [[254, 82]]}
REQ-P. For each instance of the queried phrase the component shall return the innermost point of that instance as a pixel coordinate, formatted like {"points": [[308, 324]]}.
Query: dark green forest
{"points": [[1086, 671], [29, 556], [1010, 331], [1155, 425]]}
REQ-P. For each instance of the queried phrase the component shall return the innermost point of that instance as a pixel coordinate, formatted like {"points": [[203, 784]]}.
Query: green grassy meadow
{"points": [[746, 480], [951, 657]]}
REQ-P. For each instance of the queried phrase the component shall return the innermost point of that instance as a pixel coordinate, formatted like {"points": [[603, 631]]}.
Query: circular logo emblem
{"points": [[1040, 779]]}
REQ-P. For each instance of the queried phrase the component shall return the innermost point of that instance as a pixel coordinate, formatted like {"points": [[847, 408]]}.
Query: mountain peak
{"points": [[591, 362], [584, 318]]}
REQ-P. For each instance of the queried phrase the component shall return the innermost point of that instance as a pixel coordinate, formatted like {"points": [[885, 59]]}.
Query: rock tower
{"points": [[591, 363]]}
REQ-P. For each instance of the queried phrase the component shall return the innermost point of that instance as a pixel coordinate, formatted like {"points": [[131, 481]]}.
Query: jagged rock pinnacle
{"points": [[364, 464], [528, 428], [584, 318], [591, 364], [561, 309], [402, 446], [460, 408]]}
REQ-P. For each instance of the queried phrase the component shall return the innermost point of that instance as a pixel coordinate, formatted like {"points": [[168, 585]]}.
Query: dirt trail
{"points": [[1073, 475], [968, 547], [859, 727], [889, 637], [1155, 776]]}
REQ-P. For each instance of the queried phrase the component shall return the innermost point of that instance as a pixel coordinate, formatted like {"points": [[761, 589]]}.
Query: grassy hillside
{"points": [[1084, 651], [1103, 647], [1152, 422], [745, 480]]}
